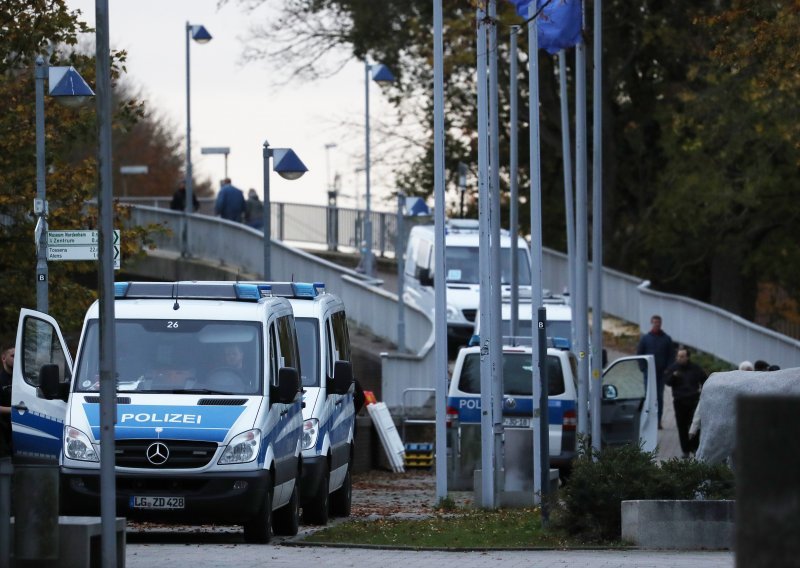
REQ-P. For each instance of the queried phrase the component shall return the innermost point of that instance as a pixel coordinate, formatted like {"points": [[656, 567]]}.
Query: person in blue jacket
{"points": [[230, 202], [658, 344]]}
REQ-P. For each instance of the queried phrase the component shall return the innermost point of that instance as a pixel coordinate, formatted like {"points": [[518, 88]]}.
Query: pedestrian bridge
{"points": [[221, 249]]}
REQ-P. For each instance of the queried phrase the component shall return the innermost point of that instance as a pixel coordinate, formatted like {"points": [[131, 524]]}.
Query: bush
{"points": [[590, 504]]}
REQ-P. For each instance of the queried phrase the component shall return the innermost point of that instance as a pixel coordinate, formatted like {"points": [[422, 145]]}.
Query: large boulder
{"points": [[718, 406]]}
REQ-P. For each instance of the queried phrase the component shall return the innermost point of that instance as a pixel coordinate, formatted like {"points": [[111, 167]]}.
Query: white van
{"points": [[209, 418], [462, 272], [628, 411], [328, 411], [559, 321]]}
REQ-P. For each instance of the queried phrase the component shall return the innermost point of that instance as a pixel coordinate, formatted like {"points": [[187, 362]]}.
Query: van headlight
{"points": [[77, 446], [453, 313], [310, 433], [242, 449]]}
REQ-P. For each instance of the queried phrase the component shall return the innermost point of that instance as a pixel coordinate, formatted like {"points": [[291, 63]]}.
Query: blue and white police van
{"points": [[328, 411], [208, 410], [628, 412]]}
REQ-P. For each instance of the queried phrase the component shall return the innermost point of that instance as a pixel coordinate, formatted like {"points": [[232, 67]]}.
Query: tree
{"points": [[30, 28]]}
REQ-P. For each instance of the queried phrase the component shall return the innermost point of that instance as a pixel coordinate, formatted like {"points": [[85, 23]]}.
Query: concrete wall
{"points": [[679, 525]]}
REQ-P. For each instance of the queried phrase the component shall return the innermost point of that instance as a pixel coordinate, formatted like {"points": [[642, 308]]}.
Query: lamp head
{"points": [[287, 165], [200, 34], [381, 74], [69, 88]]}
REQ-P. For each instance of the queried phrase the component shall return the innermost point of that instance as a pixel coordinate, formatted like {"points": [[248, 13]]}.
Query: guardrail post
{"points": [[383, 234], [36, 517], [281, 218]]}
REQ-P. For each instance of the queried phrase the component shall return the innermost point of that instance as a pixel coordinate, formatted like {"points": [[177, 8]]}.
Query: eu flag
{"points": [[559, 23]]}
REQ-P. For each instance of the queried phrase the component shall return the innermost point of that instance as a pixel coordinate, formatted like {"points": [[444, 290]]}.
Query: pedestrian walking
{"points": [[658, 344], [686, 379], [178, 202], [7, 353], [230, 202], [254, 210]]}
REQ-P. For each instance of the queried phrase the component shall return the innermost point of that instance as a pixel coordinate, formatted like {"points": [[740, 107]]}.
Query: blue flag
{"points": [[559, 23]]}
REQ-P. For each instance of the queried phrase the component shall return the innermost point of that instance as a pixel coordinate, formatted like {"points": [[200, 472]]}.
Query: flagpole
{"points": [[597, 226], [539, 430], [496, 346], [569, 200], [580, 313], [487, 462]]}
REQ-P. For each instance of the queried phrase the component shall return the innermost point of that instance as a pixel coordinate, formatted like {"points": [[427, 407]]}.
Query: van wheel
{"points": [[315, 511], [342, 498], [287, 519], [259, 529]]}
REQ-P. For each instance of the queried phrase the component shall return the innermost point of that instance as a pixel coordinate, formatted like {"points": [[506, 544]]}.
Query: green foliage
{"points": [[469, 529], [590, 503]]}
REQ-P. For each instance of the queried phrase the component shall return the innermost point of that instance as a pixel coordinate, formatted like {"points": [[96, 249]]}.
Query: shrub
{"points": [[590, 504]]}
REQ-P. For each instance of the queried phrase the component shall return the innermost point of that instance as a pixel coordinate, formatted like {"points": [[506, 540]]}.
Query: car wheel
{"points": [[259, 529], [316, 510], [287, 519], [342, 498]]}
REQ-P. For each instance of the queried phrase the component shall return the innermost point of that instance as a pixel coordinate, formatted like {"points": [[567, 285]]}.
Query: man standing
{"points": [[230, 202], [178, 202], [659, 345], [686, 379], [7, 357]]}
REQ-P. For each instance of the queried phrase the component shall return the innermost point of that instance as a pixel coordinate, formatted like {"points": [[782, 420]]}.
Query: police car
{"points": [[464, 405], [328, 411], [208, 416], [628, 410]]}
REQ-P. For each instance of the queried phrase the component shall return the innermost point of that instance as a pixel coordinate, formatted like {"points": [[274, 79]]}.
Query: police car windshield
{"points": [[307, 330], [177, 356], [517, 374], [462, 265]]}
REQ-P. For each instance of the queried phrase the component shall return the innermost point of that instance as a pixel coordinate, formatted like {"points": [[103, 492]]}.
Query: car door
{"points": [[629, 412], [341, 413], [37, 423]]}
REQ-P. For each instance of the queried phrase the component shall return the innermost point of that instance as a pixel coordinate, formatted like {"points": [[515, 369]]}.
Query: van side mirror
{"points": [[425, 276], [50, 385], [288, 386], [609, 392], [342, 378]]}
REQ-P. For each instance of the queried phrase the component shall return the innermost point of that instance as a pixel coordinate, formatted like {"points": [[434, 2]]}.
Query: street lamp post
{"points": [[199, 34], [381, 75], [131, 171], [224, 150], [287, 165], [71, 90], [332, 211]]}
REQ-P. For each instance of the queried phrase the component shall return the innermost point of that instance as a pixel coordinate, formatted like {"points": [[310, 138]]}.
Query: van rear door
{"points": [[37, 423], [629, 412]]}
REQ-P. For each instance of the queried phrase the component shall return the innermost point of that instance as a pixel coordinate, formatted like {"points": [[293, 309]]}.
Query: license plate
{"points": [[147, 502], [516, 422]]}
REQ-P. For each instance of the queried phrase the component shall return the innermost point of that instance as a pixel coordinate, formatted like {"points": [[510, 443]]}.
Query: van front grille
{"points": [[181, 454]]}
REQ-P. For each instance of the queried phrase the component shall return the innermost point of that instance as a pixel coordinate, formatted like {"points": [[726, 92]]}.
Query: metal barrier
{"points": [[404, 415], [702, 326]]}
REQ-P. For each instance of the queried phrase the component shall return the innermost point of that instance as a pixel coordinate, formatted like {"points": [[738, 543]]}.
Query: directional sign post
{"points": [[78, 245]]}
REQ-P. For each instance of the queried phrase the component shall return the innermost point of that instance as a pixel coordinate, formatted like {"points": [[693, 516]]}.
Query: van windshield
{"points": [[517, 374], [462, 265], [177, 356], [308, 341]]}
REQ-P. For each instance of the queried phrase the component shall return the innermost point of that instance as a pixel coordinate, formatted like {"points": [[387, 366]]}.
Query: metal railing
{"points": [[373, 309]]}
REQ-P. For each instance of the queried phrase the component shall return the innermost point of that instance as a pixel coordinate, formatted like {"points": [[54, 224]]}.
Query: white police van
{"points": [[628, 412], [208, 414], [557, 311], [461, 272], [328, 411]]}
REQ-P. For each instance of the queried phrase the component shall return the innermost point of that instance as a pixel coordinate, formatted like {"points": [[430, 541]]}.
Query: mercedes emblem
{"points": [[157, 453]]}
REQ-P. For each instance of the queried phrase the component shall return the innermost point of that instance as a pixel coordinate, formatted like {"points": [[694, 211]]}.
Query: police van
{"points": [[461, 272], [328, 411], [628, 411], [208, 411]]}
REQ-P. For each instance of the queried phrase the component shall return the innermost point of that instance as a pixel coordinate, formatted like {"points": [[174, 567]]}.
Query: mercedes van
{"points": [[462, 272], [208, 410]]}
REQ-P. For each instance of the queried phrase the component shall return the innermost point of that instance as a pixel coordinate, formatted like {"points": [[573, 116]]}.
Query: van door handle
{"points": [[284, 413], [21, 406], [338, 402]]}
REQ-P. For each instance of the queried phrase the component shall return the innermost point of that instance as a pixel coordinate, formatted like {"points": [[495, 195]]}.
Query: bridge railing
{"points": [[373, 309]]}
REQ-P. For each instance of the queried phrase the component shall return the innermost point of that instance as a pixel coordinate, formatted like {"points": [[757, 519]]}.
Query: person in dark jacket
{"points": [[686, 380], [7, 352], [178, 202], [658, 344], [230, 202]]}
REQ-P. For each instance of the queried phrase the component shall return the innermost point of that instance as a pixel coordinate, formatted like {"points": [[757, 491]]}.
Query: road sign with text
{"points": [[78, 245]]}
